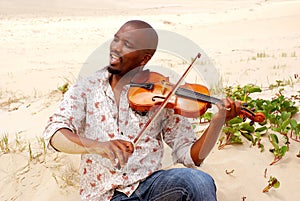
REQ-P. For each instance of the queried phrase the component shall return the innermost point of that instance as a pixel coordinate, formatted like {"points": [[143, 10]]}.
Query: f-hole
{"points": [[155, 97]]}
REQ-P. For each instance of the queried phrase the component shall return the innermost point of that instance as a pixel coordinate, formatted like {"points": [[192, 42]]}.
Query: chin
{"points": [[112, 70]]}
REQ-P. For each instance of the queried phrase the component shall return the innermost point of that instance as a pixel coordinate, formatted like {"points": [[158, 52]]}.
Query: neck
{"points": [[117, 82]]}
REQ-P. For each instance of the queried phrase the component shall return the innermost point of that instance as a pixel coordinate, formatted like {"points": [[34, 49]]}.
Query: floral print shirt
{"points": [[89, 109]]}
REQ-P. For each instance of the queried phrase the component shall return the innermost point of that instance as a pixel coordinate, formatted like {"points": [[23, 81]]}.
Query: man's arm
{"points": [[202, 147], [66, 141]]}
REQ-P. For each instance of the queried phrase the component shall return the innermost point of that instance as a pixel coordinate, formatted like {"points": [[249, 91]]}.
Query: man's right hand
{"points": [[117, 151]]}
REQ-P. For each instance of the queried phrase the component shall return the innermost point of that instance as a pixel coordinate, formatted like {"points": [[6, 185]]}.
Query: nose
{"points": [[116, 46]]}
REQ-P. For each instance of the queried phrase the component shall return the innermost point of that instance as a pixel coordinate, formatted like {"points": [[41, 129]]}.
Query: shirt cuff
{"points": [[50, 131]]}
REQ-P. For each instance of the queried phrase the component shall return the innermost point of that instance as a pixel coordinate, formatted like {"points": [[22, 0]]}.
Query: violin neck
{"points": [[183, 92], [186, 93]]}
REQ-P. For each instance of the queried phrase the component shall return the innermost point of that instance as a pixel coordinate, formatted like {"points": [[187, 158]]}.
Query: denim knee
{"points": [[198, 184]]}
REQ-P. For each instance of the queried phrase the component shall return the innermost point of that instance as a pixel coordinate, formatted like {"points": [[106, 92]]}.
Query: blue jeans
{"points": [[172, 185]]}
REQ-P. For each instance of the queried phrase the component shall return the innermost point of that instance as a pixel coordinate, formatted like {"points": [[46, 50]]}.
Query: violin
{"points": [[149, 89]]}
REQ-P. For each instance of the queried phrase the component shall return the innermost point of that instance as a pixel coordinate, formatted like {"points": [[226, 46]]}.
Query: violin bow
{"points": [[164, 103]]}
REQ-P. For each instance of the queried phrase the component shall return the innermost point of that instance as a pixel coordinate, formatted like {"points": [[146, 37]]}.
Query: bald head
{"points": [[147, 32]]}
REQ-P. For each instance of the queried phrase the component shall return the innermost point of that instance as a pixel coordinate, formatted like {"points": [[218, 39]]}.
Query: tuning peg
{"points": [[245, 104]]}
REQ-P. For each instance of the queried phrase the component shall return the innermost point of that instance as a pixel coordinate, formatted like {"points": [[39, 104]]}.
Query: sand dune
{"points": [[44, 44]]}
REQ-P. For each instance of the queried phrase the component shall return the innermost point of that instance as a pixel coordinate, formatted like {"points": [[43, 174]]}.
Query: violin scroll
{"points": [[254, 117], [259, 117]]}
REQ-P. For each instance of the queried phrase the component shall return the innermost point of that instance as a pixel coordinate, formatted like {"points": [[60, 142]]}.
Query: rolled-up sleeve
{"points": [[70, 113], [179, 135]]}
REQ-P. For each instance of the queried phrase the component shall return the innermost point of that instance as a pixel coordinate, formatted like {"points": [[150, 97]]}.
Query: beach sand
{"points": [[44, 45]]}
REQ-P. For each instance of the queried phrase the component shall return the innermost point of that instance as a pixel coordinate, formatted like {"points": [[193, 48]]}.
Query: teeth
{"points": [[114, 59]]}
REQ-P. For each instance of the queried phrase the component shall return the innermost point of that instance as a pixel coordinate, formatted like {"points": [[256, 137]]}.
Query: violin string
{"points": [[197, 96], [203, 97]]}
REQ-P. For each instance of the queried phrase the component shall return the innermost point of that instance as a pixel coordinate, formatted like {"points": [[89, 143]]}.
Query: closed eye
{"points": [[128, 44]]}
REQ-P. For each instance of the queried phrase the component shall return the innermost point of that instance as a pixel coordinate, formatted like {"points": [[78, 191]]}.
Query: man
{"points": [[95, 120]]}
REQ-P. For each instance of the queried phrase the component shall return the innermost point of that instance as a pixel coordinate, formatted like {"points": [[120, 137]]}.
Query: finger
{"points": [[120, 158], [232, 110], [220, 106], [129, 147], [124, 158], [111, 156], [125, 146], [123, 150], [238, 106], [114, 154]]}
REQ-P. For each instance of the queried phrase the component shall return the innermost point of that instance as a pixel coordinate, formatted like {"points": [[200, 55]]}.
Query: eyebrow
{"points": [[125, 39]]}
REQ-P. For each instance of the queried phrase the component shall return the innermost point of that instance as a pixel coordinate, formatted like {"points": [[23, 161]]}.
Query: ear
{"points": [[147, 57]]}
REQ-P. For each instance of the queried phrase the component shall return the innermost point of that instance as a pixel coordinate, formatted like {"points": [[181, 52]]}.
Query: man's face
{"points": [[126, 50]]}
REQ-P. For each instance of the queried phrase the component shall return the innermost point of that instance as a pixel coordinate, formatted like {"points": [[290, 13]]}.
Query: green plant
{"points": [[261, 55], [64, 88], [272, 183], [4, 145], [19, 145], [206, 117], [241, 93], [42, 143], [277, 150], [295, 130], [278, 112], [236, 128]]}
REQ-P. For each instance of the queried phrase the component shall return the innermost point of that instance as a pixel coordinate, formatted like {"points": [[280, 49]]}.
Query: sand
{"points": [[45, 44]]}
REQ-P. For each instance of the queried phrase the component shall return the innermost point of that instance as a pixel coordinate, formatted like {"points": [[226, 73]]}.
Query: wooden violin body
{"points": [[149, 89], [153, 90]]}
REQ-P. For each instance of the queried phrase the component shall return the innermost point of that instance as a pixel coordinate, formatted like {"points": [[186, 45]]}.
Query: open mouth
{"points": [[115, 59]]}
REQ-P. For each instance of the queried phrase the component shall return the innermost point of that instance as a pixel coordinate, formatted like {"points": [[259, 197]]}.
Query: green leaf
{"points": [[276, 129], [295, 126], [237, 133], [285, 115], [293, 123], [235, 120], [261, 129], [285, 123], [283, 150], [254, 89], [248, 136], [207, 116], [276, 184], [273, 182], [274, 140], [247, 127]]}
